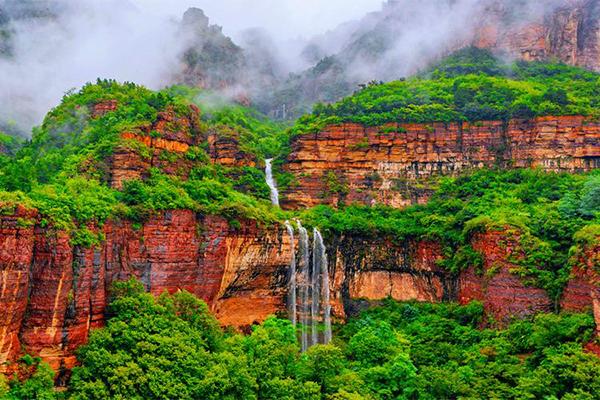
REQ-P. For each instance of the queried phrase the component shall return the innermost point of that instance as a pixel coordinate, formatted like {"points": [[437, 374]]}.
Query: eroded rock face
{"points": [[55, 292], [392, 165], [582, 293], [374, 269], [16, 254], [224, 149], [569, 32], [503, 294], [163, 145]]}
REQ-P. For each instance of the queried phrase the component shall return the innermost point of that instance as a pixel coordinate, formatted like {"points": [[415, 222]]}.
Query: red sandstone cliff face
{"points": [[374, 269], [54, 293], [502, 293], [224, 150], [582, 293], [16, 253], [569, 33], [352, 163]]}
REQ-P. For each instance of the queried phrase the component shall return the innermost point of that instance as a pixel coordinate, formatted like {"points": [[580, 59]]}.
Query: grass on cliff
{"points": [[542, 211], [173, 348], [470, 85]]}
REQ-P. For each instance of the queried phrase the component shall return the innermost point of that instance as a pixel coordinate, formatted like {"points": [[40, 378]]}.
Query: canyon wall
{"points": [[397, 164], [570, 33], [54, 293], [502, 292]]}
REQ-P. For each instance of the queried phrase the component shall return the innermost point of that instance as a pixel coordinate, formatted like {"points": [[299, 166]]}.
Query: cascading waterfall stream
{"points": [[292, 276], [313, 283], [315, 280], [304, 284], [308, 278], [319, 248], [271, 182]]}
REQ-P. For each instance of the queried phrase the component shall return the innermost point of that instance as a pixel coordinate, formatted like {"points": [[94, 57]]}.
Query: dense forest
{"points": [[469, 85], [173, 348]]}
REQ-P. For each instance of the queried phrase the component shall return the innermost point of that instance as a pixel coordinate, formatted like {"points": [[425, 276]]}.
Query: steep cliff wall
{"points": [[16, 254], [374, 269], [393, 165], [582, 293], [54, 293], [570, 33], [503, 294]]}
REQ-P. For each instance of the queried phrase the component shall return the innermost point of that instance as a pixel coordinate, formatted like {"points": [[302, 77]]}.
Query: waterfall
{"points": [[309, 280], [304, 278], [271, 182], [292, 302], [315, 280], [323, 268]]}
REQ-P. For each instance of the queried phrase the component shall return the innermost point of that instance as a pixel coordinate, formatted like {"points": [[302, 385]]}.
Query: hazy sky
{"points": [[103, 38], [284, 18]]}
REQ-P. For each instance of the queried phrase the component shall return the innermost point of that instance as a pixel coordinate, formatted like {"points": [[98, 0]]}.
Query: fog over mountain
{"points": [[328, 47]]}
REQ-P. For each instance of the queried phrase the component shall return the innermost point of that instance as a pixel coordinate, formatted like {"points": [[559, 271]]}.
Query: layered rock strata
{"points": [[54, 293], [397, 164], [163, 144]]}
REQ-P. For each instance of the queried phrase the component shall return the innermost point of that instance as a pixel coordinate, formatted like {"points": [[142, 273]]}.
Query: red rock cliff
{"points": [[569, 33], [53, 293], [503, 293], [369, 165], [582, 293]]}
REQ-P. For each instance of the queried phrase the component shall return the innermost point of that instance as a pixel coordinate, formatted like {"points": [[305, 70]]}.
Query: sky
{"points": [[287, 19]]}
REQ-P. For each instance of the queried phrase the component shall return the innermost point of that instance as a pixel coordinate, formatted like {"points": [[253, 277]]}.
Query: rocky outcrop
{"points": [[54, 293], [502, 292], [210, 60], [163, 144], [374, 269], [393, 164], [582, 293], [224, 149], [569, 32]]}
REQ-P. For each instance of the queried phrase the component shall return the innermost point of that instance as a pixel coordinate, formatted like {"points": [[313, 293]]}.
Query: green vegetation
{"points": [[38, 385], [542, 211], [64, 171], [256, 133], [172, 347], [258, 136], [470, 85]]}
